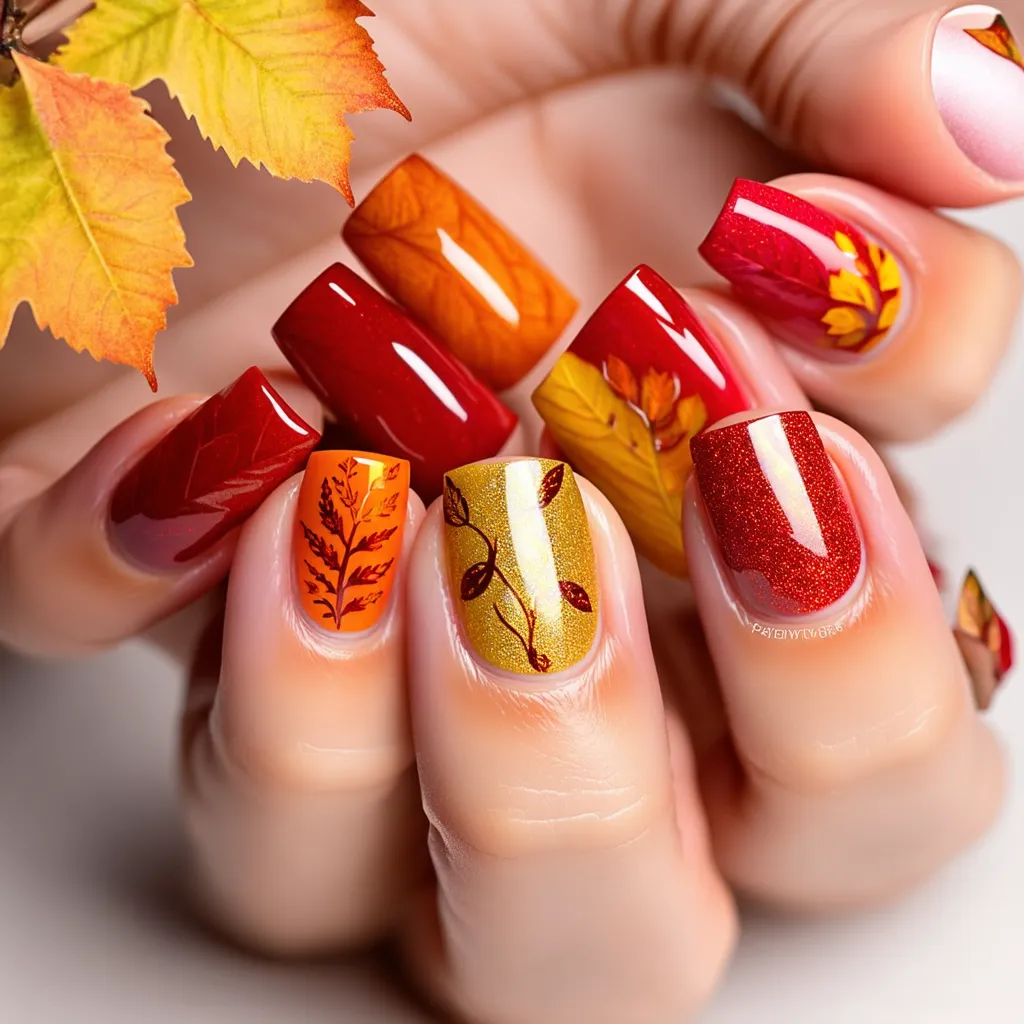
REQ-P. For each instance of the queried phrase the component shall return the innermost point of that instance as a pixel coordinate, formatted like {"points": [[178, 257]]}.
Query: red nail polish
{"points": [[815, 278], [784, 525], [390, 385], [208, 474], [641, 378]]}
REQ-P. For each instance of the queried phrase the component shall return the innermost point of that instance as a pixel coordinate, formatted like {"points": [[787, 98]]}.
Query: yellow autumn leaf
{"points": [[845, 286], [846, 243], [268, 82], [90, 232], [609, 443], [842, 320], [886, 267], [890, 311]]}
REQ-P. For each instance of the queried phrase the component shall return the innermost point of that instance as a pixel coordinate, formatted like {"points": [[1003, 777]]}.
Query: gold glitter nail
{"points": [[521, 563]]}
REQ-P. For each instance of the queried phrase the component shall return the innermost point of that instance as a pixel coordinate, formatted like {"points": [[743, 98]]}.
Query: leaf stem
{"points": [[47, 17]]}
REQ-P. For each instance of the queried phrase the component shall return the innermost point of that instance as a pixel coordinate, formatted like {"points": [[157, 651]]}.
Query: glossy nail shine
{"points": [[208, 474], [782, 520], [816, 279], [392, 388], [460, 272], [641, 379]]}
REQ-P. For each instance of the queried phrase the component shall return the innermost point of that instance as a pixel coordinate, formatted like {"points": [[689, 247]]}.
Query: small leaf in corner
{"points": [[575, 595], [476, 579], [550, 485]]}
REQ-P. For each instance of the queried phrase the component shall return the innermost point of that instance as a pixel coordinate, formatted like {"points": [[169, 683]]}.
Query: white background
{"points": [[89, 846]]}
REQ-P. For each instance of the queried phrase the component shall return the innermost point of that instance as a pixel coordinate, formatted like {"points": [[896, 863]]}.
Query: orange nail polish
{"points": [[439, 253], [348, 536]]}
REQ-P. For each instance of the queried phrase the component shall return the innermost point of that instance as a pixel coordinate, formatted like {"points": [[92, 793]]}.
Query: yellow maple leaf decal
{"points": [[612, 445], [89, 235], [268, 82]]}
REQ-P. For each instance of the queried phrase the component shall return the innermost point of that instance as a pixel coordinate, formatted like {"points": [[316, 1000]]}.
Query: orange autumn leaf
{"points": [[266, 81], [90, 229], [657, 394], [621, 379], [999, 39]]}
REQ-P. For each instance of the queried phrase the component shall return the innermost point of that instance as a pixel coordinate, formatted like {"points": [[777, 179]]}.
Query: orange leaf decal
{"points": [[999, 39], [657, 395], [266, 81], [90, 228], [621, 380]]}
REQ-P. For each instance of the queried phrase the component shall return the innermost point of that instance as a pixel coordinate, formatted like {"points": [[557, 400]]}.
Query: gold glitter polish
{"points": [[521, 564]]}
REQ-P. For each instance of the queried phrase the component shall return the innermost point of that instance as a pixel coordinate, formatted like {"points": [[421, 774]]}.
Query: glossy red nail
{"points": [[815, 278], [390, 385], [641, 378], [208, 474], [784, 525]]}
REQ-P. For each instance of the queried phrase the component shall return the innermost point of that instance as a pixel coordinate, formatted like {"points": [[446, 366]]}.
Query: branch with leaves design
{"points": [[345, 524], [478, 577]]}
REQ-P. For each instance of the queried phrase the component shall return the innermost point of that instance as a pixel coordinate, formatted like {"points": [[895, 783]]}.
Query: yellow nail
{"points": [[521, 563]]}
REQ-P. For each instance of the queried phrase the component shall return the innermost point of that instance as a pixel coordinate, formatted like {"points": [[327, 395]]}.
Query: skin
{"points": [[680, 758]]}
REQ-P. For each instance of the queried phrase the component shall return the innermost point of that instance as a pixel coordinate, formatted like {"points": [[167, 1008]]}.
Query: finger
{"points": [[859, 763], [300, 793], [642, 377], [556, 799], [144, 522], [390, 385], [875, 297]]}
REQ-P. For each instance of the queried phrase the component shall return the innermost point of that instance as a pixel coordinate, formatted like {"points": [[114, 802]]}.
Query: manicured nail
{"points": [[985, 640], [439, 253], [521, 564], [978, 81], [784, 525], [816, 280], [348, 536], [641, 378], [208, 474], [392, 388]]}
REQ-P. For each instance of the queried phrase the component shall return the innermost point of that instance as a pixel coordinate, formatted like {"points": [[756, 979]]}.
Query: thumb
{"points": [[923, 100]]}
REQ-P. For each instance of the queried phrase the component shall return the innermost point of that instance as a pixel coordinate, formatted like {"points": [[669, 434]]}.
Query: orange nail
{"points": [[348, 536], [436, 250]]}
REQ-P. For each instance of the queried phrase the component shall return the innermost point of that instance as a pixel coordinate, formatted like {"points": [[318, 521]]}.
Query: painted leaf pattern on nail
{"points": [[359, 512], [479, 576], [459, 271], [641, 425], [867, 298], [985, 639], [999, 39]]}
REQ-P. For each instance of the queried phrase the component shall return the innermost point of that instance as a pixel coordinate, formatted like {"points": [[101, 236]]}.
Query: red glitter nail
{"points": [[784, 525]]}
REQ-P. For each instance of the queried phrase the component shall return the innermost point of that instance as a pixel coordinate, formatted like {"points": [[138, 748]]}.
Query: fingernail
{"points": [[978, 81], [784, 526], [984, 638], [208, 474], [816, 280], [348, 536], [521, 564], [641, 378], [389, 384], [439, 253]]}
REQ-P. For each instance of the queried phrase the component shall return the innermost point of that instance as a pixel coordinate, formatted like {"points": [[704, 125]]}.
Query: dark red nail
{"points": [[208, 474], [641, 378], [783, 522], [394, 389], [814, 277]]}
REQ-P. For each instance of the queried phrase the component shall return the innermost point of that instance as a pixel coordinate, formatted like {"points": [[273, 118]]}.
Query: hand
{"points": [[506, 883]]}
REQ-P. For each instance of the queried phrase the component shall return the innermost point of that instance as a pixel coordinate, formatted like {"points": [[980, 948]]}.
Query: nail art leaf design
{"points": [[999, 39], [645, 437], [575, 595], [345, 509], [550, 485], [480, 575], [868, 300], [984, 638]]}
